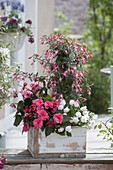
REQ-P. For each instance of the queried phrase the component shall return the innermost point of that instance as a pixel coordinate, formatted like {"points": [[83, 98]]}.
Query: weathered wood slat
{"points": [[57, 146]]}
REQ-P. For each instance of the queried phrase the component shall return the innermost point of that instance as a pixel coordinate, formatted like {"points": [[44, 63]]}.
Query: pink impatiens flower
{"points": [[58, 118], [38, 102], [38, 123], [43, 115], [48, 104]]}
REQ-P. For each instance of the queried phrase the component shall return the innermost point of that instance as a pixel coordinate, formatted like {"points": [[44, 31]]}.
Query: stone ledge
{"points": [[16, 157]]}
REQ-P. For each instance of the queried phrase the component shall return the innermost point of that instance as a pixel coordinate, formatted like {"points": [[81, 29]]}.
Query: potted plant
{"points": [[12, 28], [44, 114]]}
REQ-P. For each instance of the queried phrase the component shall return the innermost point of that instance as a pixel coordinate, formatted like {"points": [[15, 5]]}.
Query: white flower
{"points": [[71, 102], [92, 124], [61, 129], [95, 116], [5, 52], [78, 114], [68, 129], [84, 108], [84, 119], [64, 114], [76, 104], [85, 112], [74, 120], [62, 104], [60, 107], [66, 109]]}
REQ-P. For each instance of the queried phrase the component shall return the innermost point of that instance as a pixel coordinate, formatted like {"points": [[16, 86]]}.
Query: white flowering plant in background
{"points": [[106, 128], [6, 76]]}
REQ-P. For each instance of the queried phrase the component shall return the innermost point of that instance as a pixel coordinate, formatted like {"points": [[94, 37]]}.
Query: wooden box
{"points": [[57, 146]]}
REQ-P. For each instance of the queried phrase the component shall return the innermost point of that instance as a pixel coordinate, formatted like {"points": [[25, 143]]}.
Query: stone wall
{"points": [[75, 10], [60, 167]]}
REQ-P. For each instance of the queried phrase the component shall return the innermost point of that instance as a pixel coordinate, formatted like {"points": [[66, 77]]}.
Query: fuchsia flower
{"points": [[26, 94], [15, 93], [14, 21], [29, 22], [25, 127], [2, 162], [23, 29]]}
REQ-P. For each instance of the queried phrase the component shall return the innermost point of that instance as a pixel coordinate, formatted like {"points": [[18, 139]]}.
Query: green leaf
{"points": [[18, 120], [99, 126], [61, 133], [95, 126], [69, 134], [102, 131], [27, 102], [48, 131], [47, 98], [20, 104]]}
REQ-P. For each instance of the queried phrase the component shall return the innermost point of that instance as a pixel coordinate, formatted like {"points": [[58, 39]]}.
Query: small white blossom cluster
{"points": [[106, 130], [4, 52], [76, 115]]}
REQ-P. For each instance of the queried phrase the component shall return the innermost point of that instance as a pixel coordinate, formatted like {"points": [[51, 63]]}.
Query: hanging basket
{"points": [[56, 146], [14, 41]]}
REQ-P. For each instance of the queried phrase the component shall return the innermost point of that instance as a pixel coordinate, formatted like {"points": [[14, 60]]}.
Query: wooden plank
{"points": [[55, 145]]}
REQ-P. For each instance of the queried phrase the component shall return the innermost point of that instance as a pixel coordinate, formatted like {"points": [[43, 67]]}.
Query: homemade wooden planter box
{"points": [[56, 146]]}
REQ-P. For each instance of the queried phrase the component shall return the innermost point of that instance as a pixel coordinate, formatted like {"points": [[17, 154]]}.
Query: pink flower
{"points": [[2, 162], [25, 127], [50, 124], [1, 89], [13, 105], [38, 123], [29, 115], [48, 104], [27, 94], [42, 41], [43, 115], [15, 93], [56, 104], [58, 118], [38, 102]]}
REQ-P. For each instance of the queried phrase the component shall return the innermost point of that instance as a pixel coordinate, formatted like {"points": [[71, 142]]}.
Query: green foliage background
{"points": [[99, 38]]}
